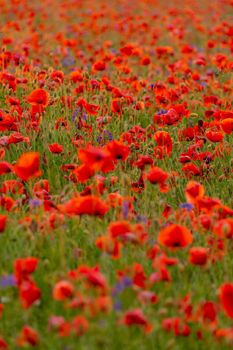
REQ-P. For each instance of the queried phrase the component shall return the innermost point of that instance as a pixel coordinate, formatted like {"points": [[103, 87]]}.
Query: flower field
{"points": [[116, 175]]}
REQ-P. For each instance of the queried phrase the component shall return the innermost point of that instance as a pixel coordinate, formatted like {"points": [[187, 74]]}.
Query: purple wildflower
{"points": [[141, 218], [68, 61], [35, 203], [162, 111], [75, 113], [187, 206], [117, 305], [125, 209], [110, 136], [7, 281]]}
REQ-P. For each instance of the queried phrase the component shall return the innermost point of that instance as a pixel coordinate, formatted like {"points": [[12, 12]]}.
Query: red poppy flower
{"points": [[227, 125], [87, 205], [191, 169], [56, 148], [143, 161], [24, 267], [136, 317], [63, 290], [177, 326], [209, 312], [198, 255], [109, 245], [28, 336], [118, 150], [2, 153], [80, 325], [175, 236], [163, 140], [127, 50], [211, 100], [28, 166], [39, 97], [96, 158], [82, 173], [3, 344], [3, 219], [5, 168], [99, 66], [90, 108], [93, 276], [163, 51], [41, 189], [157, 176], [145, 61], [119, 228], [12, 186], [194, 191], [29, 293], [116, 106], [207, 204], [214, 136], [16, 137], [57, 76], [7, 202], [76, 76], [224, 228], [226, 333], [226, 298]]}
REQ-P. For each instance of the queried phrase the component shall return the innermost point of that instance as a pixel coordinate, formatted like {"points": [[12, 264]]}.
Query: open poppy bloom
{"points": [[87, 205], [175, 236], [191, 169], [63, 290], [90, 108], [96, 158], [38, 97], [198, 256], [56, 148], [136, 317], [93, 276], [29, 293], [227, 125], [119, 228], [157, 176], [24, 267], [28, 166], [118, 150], [82, 173], [99, 66], [194, 191]]}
